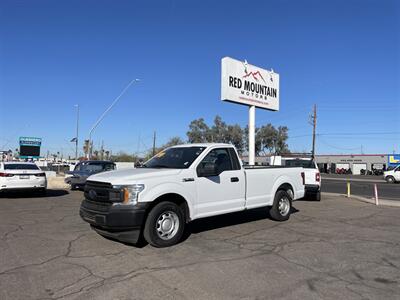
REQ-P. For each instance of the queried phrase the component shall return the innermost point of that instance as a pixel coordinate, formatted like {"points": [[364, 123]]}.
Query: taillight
{"points": [[6, 175], [303, 176], [317, 177], [40, 175]]}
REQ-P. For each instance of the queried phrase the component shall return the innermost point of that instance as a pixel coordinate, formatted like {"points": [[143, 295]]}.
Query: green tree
{"points": [[235, 136], [176, 140], [281, 147], [219, 131], [265, 138], [199, 132], [124, 157]]}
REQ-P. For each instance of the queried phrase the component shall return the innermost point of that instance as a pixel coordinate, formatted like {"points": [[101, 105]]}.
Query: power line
{"points": [[343, 134], [362, 133], [336, 147]]}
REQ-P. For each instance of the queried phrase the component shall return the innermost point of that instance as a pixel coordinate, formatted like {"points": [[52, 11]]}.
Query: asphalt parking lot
{"points": [[334, 249]]}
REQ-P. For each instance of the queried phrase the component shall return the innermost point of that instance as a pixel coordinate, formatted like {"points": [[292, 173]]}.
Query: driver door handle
{"points": [[234, 179]]}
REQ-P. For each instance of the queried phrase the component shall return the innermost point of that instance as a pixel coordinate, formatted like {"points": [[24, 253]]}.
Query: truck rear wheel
{"points": [[280, 210], [316, 196], [164, 225]]}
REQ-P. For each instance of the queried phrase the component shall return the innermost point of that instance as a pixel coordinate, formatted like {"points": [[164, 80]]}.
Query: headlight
{"points": [[130, 193]]}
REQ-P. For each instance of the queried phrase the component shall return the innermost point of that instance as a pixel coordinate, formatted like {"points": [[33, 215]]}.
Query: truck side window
{"points": [[235, 160], [221, 159]]}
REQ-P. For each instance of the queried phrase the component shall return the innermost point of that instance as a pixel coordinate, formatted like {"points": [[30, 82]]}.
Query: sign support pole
{"points": [[251, 86], [252, 121]]}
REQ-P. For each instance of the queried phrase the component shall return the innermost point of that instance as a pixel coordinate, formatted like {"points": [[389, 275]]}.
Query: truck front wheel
{"points": [[164, 225], [280, 210]]}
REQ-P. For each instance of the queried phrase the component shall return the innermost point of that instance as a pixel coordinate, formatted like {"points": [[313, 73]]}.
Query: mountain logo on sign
{"points": [[255, 75]]}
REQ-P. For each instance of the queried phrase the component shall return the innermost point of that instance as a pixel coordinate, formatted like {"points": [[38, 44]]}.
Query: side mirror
{"points": [[207, 170]]}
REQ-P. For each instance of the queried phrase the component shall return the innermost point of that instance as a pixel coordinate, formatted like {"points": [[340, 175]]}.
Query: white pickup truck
{"points": [[181, 184], [312, 176]]}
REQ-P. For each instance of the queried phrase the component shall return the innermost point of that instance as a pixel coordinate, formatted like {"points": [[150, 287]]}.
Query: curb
{"points": [[367, 200]]}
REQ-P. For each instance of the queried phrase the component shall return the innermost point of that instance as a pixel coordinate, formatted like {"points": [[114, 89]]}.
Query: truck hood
{"points": [[132, 175]]}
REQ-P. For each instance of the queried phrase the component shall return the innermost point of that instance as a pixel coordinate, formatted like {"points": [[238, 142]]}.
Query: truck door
{"points": [[222, 193]]}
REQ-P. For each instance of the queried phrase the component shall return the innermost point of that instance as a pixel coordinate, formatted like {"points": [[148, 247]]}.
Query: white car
{"points": [[181, 184], [22, 176], [392, 176]]}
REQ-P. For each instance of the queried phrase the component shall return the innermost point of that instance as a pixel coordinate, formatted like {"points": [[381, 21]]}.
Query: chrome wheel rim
{"points": [[284, 206], [167, 225]]}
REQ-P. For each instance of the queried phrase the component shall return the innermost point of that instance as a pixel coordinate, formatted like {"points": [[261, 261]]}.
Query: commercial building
{"points": [[337, 163], [352, 163]]}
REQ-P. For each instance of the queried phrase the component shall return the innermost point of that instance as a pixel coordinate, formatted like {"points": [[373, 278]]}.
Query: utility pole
{"points": [[154, 143], [77, 131], [314, 124]]}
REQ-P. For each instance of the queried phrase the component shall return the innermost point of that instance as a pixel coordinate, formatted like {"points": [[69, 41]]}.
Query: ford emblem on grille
{"points": [[92, 194]]}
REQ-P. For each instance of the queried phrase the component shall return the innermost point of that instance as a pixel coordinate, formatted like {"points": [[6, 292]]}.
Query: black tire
{"points": [[281, 213], [73, 187], [164, 213], [316, 196], [390, 179]]}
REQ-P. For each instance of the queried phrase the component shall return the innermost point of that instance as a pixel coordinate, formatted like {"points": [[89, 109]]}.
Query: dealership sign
{"points": [[29, 147], [30, 141], [249, 85]]}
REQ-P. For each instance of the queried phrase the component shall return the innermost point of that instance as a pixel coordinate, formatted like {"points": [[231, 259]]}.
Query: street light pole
{"points": [[105, 113], [77, 131]]}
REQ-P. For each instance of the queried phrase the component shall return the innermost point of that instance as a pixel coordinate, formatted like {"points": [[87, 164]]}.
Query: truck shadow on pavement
{"points": [[231, 219], [308, 199], [33, 194]]}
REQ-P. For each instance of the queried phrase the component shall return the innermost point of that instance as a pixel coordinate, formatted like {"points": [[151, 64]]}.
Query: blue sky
{"points": [[342, 55]]}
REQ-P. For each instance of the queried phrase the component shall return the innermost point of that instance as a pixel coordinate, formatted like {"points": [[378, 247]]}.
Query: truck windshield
{"points": [[174, 158]]}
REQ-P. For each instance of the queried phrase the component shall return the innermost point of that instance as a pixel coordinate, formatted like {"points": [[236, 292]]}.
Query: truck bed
{"points": [[248, 167]]}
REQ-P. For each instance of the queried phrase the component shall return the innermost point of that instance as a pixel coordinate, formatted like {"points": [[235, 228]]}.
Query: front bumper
{"points": [[119, 222]]}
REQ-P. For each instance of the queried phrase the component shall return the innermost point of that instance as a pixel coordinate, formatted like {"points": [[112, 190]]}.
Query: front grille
{"points": [[96, 206], [101, 192]]}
